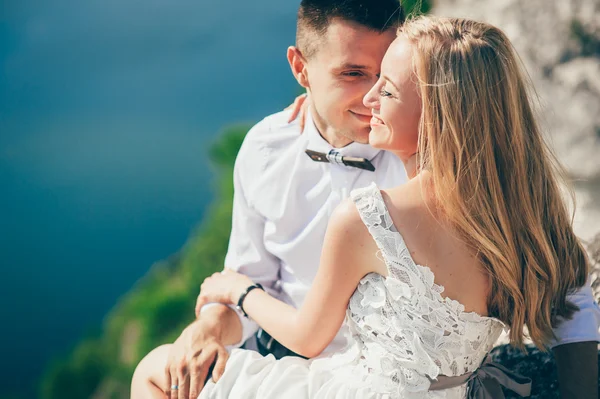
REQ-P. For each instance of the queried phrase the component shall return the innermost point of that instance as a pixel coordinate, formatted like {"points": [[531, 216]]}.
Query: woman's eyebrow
{"points": [[390, 81]]}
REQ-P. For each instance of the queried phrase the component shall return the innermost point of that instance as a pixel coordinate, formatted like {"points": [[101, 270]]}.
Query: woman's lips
{"points": [[376, 121]]}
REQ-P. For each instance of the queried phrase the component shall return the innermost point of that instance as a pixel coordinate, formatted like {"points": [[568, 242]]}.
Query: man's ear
{"points": [[298, 66]]}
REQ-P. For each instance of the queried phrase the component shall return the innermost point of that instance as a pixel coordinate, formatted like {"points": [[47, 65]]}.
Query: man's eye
{"points": [[353, 74]]}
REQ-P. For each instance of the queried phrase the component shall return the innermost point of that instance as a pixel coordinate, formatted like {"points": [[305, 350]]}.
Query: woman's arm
{"points": [[348, 255], [348, 250]]}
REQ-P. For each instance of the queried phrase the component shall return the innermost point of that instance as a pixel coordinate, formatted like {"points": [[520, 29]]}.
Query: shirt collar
{"points": [[317, 143]]}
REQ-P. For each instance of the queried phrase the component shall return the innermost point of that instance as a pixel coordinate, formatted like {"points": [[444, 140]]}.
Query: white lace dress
{"points": [[404, 333]]}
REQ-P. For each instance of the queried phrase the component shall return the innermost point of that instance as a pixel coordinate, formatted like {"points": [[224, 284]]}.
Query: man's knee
{"points": [[152, 367]]}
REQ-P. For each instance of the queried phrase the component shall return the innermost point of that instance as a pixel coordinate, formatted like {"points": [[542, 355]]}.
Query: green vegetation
{"points": [[159, 307], [416, 7], [588, 40]]}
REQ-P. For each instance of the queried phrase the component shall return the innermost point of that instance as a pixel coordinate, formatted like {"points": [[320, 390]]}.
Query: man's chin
{"points": [[362, 135]]}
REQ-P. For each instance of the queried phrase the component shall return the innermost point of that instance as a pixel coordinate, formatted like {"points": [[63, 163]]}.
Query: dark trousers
{"points": [[268, 345]]}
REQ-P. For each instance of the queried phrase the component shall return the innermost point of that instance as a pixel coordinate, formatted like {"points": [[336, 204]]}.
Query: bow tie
{"points": [[336, 158]]}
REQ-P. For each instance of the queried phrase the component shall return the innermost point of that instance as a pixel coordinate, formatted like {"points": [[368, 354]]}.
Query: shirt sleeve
{"points": [[247, 253], [583, 327]]}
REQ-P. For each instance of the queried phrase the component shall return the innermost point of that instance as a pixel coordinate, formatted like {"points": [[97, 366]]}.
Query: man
{"points": [[283, 197]]}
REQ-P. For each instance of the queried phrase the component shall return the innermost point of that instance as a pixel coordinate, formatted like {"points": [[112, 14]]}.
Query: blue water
{"points": [[106, 111]]}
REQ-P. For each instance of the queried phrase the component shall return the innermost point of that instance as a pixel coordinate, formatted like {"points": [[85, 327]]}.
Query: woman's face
{"points": [[395, 103]]}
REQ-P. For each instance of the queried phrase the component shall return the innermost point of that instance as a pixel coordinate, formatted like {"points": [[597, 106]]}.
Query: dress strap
{"points": [[375, 216], [371, 207], [400, 264]]}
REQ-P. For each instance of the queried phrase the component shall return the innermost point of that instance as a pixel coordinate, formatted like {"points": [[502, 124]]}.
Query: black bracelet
{"points": [[240, 304]]}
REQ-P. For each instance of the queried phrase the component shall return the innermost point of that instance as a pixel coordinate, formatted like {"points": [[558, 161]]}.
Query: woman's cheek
{"points": [[375, 137]]}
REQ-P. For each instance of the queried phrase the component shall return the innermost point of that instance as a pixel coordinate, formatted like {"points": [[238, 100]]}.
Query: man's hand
{"points": [[200, 345]]}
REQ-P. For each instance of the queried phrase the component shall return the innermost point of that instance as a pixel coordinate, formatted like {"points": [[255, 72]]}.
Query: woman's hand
{"points": [[225, 287], [299, 109]]}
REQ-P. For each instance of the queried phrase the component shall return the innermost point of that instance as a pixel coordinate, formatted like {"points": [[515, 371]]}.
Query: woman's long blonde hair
{"points": [[493, 175]]}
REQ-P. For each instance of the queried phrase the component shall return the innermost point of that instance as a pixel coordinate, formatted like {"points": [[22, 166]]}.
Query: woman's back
{"points": [[432, 242], [405, 333]]}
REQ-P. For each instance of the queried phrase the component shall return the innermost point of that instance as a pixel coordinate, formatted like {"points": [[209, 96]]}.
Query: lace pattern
{"points": [[404, 332]]}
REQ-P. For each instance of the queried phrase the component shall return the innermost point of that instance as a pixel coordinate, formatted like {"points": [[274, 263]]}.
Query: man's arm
{"points": [[219, 326], [222, 323], [577, 365], [246, 253], [576, 349]]}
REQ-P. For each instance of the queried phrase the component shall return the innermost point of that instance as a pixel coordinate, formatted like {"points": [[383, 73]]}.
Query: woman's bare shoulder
{"points": [[351, 238]]}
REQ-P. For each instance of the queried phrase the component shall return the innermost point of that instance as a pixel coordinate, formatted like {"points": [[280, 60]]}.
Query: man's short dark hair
{"points": [[314, 17]]}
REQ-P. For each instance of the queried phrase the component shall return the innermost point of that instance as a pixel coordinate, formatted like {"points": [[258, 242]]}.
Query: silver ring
{"points": [[174, 387]]}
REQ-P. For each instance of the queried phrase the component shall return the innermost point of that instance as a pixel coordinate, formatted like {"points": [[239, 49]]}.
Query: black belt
{"points": [[269, 345]]}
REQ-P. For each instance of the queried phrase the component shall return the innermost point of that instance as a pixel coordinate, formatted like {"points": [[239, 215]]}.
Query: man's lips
{"points": [[362, 117]]}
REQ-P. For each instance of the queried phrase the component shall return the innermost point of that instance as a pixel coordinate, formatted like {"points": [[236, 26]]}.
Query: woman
{"points": [[428, 274]]}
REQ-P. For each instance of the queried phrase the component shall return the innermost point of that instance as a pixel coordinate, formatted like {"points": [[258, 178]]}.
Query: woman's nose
{"points": [[371, 99]]}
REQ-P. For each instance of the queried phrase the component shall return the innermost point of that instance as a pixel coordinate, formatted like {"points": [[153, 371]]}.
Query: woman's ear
{"points": [[298, 66]]}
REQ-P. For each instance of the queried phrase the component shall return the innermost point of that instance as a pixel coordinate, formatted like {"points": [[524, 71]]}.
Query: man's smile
{"points": [[366, 118]]}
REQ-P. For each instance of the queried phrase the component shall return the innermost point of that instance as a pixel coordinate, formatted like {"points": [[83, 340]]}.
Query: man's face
{"points": [[341, 71]]}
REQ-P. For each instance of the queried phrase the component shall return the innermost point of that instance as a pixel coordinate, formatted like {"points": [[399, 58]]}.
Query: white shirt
{"points": [[282, 204]]}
